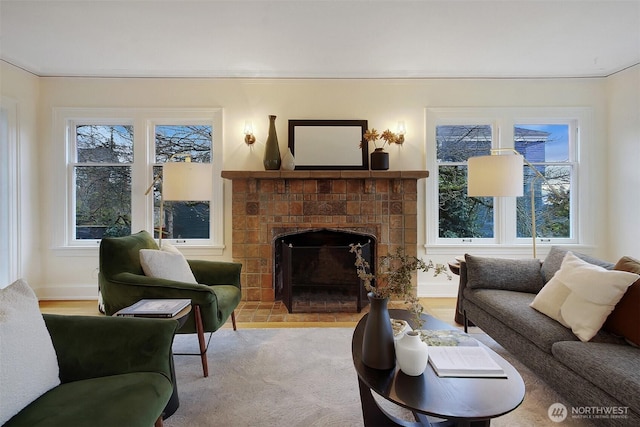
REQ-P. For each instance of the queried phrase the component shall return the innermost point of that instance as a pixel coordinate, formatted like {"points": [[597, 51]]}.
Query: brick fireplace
{"points": [[268, 204]]}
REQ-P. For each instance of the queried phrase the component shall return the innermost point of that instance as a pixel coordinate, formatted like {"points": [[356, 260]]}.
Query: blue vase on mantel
{"points": [[378, 349], [272, 159]]}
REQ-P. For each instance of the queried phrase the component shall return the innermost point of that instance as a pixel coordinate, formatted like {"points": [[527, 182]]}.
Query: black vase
{"points": [[272, 158], [379, 160], [378, 351]]}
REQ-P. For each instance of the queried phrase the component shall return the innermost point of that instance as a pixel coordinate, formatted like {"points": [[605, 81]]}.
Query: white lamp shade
{"points": [[495, 176], [187, 181]]}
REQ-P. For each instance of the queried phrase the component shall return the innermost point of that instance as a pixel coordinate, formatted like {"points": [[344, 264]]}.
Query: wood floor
{"points": [[271, 315]]}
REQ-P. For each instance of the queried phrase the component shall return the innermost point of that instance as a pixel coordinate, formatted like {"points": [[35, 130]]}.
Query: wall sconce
{"points": [[248, 133], [400, 131]]}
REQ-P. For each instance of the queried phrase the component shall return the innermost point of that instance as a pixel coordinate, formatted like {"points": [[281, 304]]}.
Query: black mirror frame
{"points": [[364, 145]]}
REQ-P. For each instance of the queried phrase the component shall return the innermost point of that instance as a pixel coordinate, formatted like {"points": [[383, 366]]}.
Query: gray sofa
{"points": [[599, 378]]}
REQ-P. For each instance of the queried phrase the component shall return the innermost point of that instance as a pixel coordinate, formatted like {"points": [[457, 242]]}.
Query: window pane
{"points": [[182, 220], [552, 202], [192, 140], [542, 143], [103, 201], [104, 143], [461, 216], [456, 143]]}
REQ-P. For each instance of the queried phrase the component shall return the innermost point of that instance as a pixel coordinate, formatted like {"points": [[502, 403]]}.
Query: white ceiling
{"points": [[327, 38]]}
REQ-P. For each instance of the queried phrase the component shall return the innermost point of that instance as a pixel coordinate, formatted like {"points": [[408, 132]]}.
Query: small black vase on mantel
{"points": [[378, 349], [379, 159], [272, 159]]}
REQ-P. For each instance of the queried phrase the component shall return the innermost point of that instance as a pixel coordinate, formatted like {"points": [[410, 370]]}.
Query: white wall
{"points": [[381, 102], [623, 163]]}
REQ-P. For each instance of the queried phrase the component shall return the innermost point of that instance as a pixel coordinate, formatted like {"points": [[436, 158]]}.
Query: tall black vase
{"points": [[272, 158], [378, 351], [379, 159]]}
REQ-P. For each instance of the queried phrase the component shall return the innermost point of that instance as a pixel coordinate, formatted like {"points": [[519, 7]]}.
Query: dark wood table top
{"points": [[450, 398]]}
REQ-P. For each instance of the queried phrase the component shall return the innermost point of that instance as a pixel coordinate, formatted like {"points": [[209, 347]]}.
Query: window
{"points": [[115, 154], [190, 219], [548, 141]]}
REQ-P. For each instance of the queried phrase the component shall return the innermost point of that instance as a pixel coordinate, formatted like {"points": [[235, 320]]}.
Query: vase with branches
{"points": [[393, 275]]}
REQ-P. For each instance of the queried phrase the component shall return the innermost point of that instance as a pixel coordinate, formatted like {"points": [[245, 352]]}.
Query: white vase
{"points": [[288, 162], [412, 354]]}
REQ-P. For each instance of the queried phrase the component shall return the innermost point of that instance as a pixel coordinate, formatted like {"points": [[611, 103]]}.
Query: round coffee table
{"points": [[459, 401]]}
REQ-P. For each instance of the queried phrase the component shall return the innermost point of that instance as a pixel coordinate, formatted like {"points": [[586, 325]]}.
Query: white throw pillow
{"points": [[166, 265], [29, 364], [581, 295]]}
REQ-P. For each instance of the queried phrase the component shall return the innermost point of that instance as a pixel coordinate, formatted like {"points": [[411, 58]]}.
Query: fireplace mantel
{"points": [[267, 204], [325, 174]]}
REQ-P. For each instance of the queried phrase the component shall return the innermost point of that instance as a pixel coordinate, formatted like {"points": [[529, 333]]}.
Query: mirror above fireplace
{"points": [[329, 144]]}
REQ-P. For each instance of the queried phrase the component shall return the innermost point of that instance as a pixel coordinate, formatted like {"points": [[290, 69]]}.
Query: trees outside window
{"points": [[102, 178], [190, 219]]}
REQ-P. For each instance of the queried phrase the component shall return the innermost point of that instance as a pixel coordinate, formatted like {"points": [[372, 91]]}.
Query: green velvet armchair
{"points": [[123, 282], [113, 372]]}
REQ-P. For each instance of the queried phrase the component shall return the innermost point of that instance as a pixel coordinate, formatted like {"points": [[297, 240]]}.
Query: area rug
{"points": [[300, 377]]}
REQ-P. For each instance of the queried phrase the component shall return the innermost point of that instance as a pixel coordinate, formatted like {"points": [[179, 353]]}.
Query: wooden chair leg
{"points": [[203, 346], [158, 422], [233, 320]]}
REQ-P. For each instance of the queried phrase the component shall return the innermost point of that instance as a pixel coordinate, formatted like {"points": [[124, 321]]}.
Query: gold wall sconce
{"points": [[248, 133], [400, 131]]}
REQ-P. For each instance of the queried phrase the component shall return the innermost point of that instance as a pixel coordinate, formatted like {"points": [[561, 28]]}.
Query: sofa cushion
{"points": [[581, 295], [166, 265], [29, 365], [610, 367], [624, 321], [554, 258], [132, 400], [513, 310], [521, 275]]}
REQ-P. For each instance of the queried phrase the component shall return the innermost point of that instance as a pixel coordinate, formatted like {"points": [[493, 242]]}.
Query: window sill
{"points": [[502, 251], [93, 251]]}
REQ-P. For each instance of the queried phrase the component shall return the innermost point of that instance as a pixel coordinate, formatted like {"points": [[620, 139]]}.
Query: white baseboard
{"points": [[67, 292], [447, 289]]}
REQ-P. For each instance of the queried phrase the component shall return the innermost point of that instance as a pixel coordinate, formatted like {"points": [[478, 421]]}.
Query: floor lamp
{"points": [[501, 176], [182, 181]]}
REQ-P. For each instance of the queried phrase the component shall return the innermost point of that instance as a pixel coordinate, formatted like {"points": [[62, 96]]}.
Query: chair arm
{"points": [[216, 272], [96, 346], [141, 287]]}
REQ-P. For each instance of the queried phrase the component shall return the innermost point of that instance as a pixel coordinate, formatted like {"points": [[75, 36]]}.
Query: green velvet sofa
{"points": [[113, 371]]}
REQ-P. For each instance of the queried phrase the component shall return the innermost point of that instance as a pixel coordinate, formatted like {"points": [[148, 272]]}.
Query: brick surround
{"points": [[267, 204]]}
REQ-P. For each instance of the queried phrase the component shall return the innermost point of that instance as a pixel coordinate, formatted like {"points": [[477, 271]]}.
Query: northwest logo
{"points": [[557, 412]]}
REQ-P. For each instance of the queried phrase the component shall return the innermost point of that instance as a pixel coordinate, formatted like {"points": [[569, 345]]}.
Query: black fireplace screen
{"points": [[313, 267]]}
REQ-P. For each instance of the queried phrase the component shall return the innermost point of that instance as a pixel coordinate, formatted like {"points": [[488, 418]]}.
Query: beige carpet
{"points": [[299, 377]]}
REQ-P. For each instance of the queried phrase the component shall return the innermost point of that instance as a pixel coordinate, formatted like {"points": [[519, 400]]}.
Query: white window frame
{"points": [[143, 121], [502, 121]]}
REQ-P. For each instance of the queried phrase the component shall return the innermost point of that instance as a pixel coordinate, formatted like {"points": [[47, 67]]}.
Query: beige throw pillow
{"points": [[28, 360], [166, 265], [581, 295]]}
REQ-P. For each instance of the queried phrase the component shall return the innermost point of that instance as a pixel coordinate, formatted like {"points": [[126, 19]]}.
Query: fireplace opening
{"points": [[315, 271]]}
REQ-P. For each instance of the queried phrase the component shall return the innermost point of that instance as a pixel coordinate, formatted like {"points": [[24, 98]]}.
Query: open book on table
{"points": [[464, 361]]}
